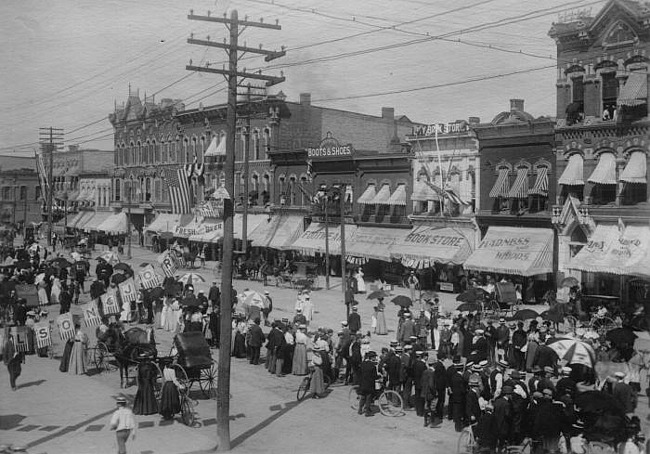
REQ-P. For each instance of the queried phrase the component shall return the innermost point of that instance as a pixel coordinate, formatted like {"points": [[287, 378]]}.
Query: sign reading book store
{"points": [[330, 149]]}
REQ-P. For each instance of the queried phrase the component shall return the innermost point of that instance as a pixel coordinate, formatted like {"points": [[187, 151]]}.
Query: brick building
{"points": [[20, 192], [601, 210]]}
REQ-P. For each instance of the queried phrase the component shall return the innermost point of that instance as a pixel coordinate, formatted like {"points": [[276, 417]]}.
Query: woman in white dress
{"points": [[165, 313], [56, 290], [300, 364], [42, 294], [361, 284], [308, 308]]}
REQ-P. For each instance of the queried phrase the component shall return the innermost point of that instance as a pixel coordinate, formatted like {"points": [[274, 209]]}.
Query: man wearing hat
{"points": [[472, 405], [368, 375], [565, 386], [445, 340], [519, 342], [503, 416], [299, 318], [503, 338], [624, 393], [393, 367], [406, 330], [413, 284], [123, 423], [480, 346], [354, 320], [519, 405], [546, 382], [497, 377], [419, 366], [457, 398], [428, 391]]}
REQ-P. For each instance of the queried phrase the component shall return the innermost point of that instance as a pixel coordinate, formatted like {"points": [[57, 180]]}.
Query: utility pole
{"points": [[128, 221], [344, 284], [50, 138], [235, 52], [327, 242]]}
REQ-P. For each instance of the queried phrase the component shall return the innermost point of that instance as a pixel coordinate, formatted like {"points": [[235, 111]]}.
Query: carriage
{"points": [[306, 275], [194, 363]]}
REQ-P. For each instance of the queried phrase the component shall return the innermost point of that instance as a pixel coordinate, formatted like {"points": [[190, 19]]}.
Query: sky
{"points": [[66, 63]]}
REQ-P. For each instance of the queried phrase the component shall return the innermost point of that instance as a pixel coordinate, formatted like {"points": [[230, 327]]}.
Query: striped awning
{"points": [[167, 222], [422, 192], [519, 189], [95, 221], [368, 195], [635, 90], [605, 171], [399, 196], [383, 196], [541, 183], [572, 175], [501, 187], [635, 170], [117, 223], [513, 250]]}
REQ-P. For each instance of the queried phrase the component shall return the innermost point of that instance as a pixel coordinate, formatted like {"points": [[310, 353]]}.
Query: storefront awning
{"points": [[613, 251], [605, 171], [188, 229], [430, 244], [96, 220], [382, 196], [368, 195], [374, 242], [422, 192], [278, 232], [85, 217], [519, 189], [635, 170], [501, 187], [514, 250], [541, 182], [208, 232], [399, 196], [312, 240], [167, 222], [77, 217], [635, 90], [73, 196], [115, 224], [252, 221], [573, 173]]}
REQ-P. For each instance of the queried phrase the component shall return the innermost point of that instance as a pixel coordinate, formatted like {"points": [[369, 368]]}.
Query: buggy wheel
{"points": [[390, 403], [466, 441], [158, 382], [101, 357], [208, 381], [353, 398], [187, 411], [181, 376], [602, 325], [303, 388]]}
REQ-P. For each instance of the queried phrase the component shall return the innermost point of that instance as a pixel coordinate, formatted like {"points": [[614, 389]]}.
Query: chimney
{"points": [[517, 104], [305, 99], [474, 120], [388, 113]]}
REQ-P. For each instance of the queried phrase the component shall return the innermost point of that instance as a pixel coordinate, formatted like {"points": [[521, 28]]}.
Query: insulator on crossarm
{"points": [[261, 20], [209, 13]]}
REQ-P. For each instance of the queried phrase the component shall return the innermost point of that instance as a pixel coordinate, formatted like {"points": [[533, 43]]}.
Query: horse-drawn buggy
{"points": [[306, 275]]}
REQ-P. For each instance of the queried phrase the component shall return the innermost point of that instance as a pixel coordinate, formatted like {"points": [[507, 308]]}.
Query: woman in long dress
{"points": [[165, 313], [170, 401], [43, 300], [65, 359], [317, 383], [77, 364], [361, 283], [381, 318], [300, 365], [56, 290], [145, 402], [308, 308]]}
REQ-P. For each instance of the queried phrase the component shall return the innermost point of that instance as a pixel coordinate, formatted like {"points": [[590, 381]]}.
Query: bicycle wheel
{"points": [[466, 441], [187, 412], [353, 398], [303, 388], [390, 403], [602, 325], [101, 357]]}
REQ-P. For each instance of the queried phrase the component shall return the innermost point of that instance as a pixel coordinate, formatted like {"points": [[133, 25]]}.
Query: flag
{"points": [[109, 302], [42, 335], [91, 313], [450, 194], [189, 168], [42, 175], [149, 278], [66, 327], [21, 340], [621, 226], [179, 189], [168, 264], [127, 290]]}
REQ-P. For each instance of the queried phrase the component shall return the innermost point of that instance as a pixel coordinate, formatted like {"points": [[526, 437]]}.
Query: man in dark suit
{"points": [[393, 366], [419, 366], [458, 390], [472, 406], [272, 341], [440, 377], [354, 320], [368, 375], [256, 341], [428, 391]]}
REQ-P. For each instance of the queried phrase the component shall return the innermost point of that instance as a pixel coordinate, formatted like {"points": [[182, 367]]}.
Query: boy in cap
{"points": [[123, 423]]}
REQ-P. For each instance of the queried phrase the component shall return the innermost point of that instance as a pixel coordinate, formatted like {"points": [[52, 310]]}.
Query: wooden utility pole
{"points": [[50, 139], [233, 76]]}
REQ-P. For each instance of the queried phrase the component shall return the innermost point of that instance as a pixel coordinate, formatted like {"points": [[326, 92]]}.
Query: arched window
{"points": [[156, 151], [193, 151], [282, 182], [292, 190], [147, 191], [255, 190], [186, 152], [117, 186], [267, 142], [304, 200], [266, 185], [173, 156], [256, 144]]}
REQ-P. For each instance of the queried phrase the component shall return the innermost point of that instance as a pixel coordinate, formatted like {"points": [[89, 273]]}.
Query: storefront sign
{"points": [[446, 287], [330, 148], [430, 237], [440, 128]]}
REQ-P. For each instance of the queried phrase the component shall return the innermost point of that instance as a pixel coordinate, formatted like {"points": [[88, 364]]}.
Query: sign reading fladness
{"points": [[91, 313], [42, 334], [109, 302], [66, 327], [127, 290]]}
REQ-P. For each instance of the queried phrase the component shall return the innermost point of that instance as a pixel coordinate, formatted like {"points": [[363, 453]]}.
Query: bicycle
{"points": [[305, 384], [389, 402], [187, 407], [467, 444]]}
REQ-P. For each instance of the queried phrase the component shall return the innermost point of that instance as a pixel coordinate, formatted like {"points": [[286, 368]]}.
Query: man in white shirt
{"points": [[123, 422]]}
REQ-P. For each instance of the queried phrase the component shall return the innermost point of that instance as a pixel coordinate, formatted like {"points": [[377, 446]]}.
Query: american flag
{"points": [[179, 190]]}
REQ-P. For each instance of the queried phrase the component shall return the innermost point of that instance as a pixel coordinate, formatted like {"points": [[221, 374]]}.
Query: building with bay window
{"points": [[601, 211]]}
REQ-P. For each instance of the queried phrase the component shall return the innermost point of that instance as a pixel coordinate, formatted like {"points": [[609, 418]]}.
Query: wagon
{"points": [[306, 275], [194, 363]]}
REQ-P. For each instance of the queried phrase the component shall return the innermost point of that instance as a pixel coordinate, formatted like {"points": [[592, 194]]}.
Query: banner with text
{"points": [[66, 327], [43, 335], [127, 290], [109, 302], [149, 278], [91, 313]]}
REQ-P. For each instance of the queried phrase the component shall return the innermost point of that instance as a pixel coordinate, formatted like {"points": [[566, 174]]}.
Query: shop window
{"points": [[399, 214], [23, 193], [368, 211], [382, 212], [603, 194], [147, 190], [118, 187], [634, 193], [610, 95]]}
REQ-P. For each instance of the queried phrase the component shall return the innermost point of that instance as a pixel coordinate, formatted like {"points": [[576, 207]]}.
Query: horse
{"points": [[128, 345]]}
